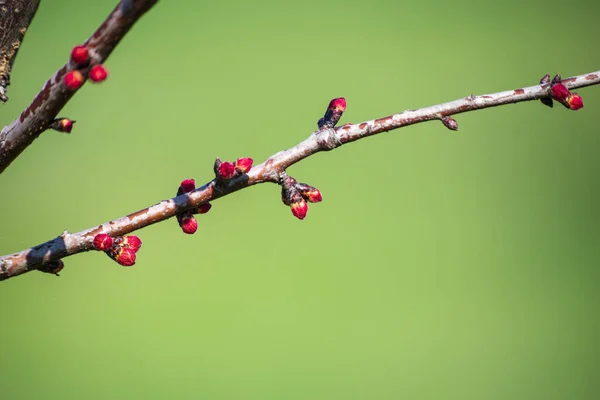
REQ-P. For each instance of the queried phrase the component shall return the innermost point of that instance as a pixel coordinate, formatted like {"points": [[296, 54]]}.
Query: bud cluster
{"points": [[186, 220], [296, 195], [561, 93], [80, 60], [226, 171], [122, 249]]}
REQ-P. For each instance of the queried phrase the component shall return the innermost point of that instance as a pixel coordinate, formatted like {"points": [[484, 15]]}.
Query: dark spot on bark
{"points": [[60, 74], [568, 80], [519, 91], [382, 120], [487, 97], [363, 125], [591, 77], [37, 102]]}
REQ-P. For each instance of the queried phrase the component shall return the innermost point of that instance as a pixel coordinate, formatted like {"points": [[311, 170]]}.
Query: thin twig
{"points": [[270, 171], [54, 95]]}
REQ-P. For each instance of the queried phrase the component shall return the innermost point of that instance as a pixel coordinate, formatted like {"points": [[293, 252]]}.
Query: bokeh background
{"points": [[440, 264]]}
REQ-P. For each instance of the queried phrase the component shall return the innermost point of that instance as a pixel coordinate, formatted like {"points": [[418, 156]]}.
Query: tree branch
{"points": [[54, 95], [273, 170], [15, 17]]}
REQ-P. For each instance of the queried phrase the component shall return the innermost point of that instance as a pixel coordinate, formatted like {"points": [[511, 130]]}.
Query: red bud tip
{"points": [[189, 225], [337, 104], [62, 125], [188, 185], [575, 101], [132, 242], [125, 256], [98, 73], [204, 208], [103, 242], [226, 170], [244, 164], [73, 80], [299, 209], [66, 125], [53, 267], [313, 196], [560, 92], [80, 55]]}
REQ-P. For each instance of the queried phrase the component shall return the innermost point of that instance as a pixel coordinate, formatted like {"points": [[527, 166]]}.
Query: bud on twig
{"points": [[98, 73], [243, 165], [333, 114], [450, 123], [309, 193], [80, 55], [73, 80], [103, 242], [64, 125]]}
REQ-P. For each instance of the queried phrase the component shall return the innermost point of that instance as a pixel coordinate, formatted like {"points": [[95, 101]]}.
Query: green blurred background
{"points": [[440, 265]]}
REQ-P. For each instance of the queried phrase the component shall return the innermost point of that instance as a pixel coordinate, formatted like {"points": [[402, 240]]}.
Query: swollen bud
{"points": [[124, 256], [333, 114], [309, 193], [244, 164], [80, 55], [133, 242], [450, 123], [187, 222], [560, 92], [226, 170], [64, 125], [102, 242], [575, 101], [73, 80], [98, 73]]}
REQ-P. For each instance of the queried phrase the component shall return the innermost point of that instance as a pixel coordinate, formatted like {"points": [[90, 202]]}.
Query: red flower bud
{"points": [[133, 242], [125, 256], [62, 125], [73, 80], [333, 114], [103, 242], [188, 223], [299, 208], [80, 55], [309, 193], [338, 104], [244, 164], [575, 101], [226, 170], [98, 73], [560, 92], [53, 267], [203, 208], [188, 185]]}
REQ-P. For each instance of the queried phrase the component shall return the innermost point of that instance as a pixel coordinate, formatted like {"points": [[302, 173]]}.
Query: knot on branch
{"points": [[296, 195]]}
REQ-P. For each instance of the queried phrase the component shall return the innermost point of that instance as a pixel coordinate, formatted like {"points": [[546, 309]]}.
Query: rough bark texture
{"points": [[15, 17], [272, 170], [37, 117]]}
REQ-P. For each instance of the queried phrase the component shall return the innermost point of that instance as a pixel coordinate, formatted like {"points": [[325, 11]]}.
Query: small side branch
{"points": [[233, 177], [55, 94]]}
